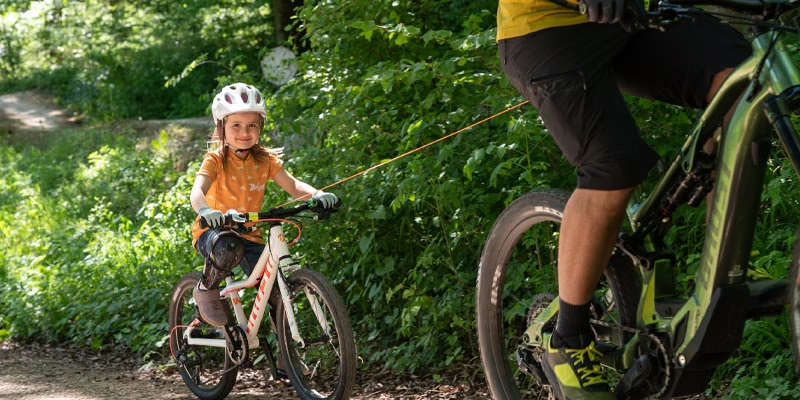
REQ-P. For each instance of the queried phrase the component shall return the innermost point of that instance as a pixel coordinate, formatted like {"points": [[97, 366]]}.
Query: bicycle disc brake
{"points": [[237, 347]]}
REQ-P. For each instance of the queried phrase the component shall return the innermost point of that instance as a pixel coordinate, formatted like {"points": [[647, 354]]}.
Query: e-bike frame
{"points": [[708, 327]]}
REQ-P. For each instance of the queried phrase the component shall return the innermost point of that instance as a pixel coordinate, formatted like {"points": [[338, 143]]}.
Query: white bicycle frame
{"points": [[274, 258]]}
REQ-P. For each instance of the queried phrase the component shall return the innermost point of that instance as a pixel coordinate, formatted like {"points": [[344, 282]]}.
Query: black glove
{"points": [[603, 11]]}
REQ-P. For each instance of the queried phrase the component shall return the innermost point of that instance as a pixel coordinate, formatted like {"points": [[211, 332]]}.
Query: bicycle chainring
{"points": [[237, 347], [656, 384]]}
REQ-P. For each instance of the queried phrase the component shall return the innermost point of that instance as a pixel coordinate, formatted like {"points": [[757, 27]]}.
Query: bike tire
{"points": [[325, 368], [208, 371], [519, 264], [794, 302]]}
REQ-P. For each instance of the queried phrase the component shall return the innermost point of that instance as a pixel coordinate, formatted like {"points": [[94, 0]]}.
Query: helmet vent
{"points": [[244, 97], [228, 99]]}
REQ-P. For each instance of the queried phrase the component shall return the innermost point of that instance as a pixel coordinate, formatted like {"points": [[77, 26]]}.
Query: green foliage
{"points": [[94, 226], [95, 231], [111, 60]]}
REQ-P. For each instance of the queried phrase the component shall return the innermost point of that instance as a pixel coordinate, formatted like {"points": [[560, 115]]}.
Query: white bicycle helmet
{"points": [[236, 98]]}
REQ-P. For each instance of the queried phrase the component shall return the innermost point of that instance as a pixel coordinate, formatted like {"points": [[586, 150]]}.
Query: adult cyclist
{"points": [[573, 68]]}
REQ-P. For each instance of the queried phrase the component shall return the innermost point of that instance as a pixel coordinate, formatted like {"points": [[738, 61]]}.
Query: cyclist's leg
{"points": [[683, 65], [604, 211], [567, 74], [252, 252], [221, 251]]}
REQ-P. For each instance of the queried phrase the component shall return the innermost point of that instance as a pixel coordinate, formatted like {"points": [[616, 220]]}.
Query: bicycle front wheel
{"points": [[518, 278], [207, 371], [322, 365]]}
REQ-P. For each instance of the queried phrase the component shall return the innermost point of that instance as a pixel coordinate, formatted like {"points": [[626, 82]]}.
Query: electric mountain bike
{"points": [[656, 341], [316, 346]]}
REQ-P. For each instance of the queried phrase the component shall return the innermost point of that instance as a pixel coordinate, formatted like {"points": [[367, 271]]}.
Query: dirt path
{"points": [[31, 110], [42, 372]]}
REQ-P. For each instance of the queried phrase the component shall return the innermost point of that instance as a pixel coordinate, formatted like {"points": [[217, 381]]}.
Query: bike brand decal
{"points": [[497, 272], [251, 323], [282, 238], [712, 245]]}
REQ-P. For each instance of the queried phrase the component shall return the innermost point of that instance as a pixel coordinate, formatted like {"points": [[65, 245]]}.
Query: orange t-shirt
{"points": [[240, 186], [521, 17]]}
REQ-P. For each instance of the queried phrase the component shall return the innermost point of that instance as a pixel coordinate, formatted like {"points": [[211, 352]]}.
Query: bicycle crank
{"points": [[649, 374]]}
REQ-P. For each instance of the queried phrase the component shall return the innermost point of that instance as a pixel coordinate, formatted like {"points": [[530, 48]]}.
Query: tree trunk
{"points": [[284, 10]]}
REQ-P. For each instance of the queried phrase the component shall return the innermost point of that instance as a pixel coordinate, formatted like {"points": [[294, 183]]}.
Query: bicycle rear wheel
{"points": [[517, 278], [794, 302], [323, 366], [207, 371]]}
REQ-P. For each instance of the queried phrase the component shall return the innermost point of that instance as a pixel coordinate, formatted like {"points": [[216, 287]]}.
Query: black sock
{"points": [[573, 327]]}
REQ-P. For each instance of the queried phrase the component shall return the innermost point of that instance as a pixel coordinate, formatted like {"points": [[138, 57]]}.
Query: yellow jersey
{"points": [[521, 17]]}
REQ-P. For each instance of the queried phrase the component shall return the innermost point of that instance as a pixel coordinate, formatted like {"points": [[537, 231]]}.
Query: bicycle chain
{"points": [[653, 339]]}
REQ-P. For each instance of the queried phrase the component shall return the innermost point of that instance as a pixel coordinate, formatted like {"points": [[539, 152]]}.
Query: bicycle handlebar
{"points": [[276, 213], [671, 10]]}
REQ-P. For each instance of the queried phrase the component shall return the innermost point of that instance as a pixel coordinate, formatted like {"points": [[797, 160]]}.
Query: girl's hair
{"points": [[260, 153]]}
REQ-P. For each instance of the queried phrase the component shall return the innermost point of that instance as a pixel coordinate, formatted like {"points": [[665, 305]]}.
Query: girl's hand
{"points": [[213, 218], [326, 200]]}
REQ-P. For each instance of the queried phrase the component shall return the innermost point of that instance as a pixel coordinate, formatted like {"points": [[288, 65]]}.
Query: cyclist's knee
{"points": [[223, 251], [716, 82]]}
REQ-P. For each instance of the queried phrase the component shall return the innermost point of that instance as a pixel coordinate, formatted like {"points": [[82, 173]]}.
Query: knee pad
{"points": [[224, 252]]}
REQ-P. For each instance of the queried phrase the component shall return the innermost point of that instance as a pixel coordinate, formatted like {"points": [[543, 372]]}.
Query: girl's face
{"points": [[241, 132]]}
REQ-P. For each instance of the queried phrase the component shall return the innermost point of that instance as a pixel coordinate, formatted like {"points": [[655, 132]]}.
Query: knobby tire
{"points": [[326, 367], [210, 374], [519, 264]]}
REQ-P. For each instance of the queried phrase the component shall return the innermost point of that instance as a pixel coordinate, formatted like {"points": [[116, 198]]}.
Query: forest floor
{"points": [[49, 372], [33, 371]]}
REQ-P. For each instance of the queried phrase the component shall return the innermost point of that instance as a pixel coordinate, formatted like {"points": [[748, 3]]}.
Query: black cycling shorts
{"points": [[574, 76]]}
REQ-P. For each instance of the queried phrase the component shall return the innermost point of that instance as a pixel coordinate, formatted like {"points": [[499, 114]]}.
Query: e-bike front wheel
{"points": [[322, 363], [518, 278], [207, 370]]}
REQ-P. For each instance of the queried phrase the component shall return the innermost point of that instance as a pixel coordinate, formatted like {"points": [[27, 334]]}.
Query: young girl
{"points": [[233, 178]]}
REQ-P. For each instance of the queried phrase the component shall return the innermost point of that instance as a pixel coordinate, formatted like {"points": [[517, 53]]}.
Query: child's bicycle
{"points": [[656, 342], [316, 347]]}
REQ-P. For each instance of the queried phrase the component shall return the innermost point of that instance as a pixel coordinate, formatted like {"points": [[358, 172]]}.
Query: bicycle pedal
{"points": [[205, 334], [528, 364], [280, 375]]}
